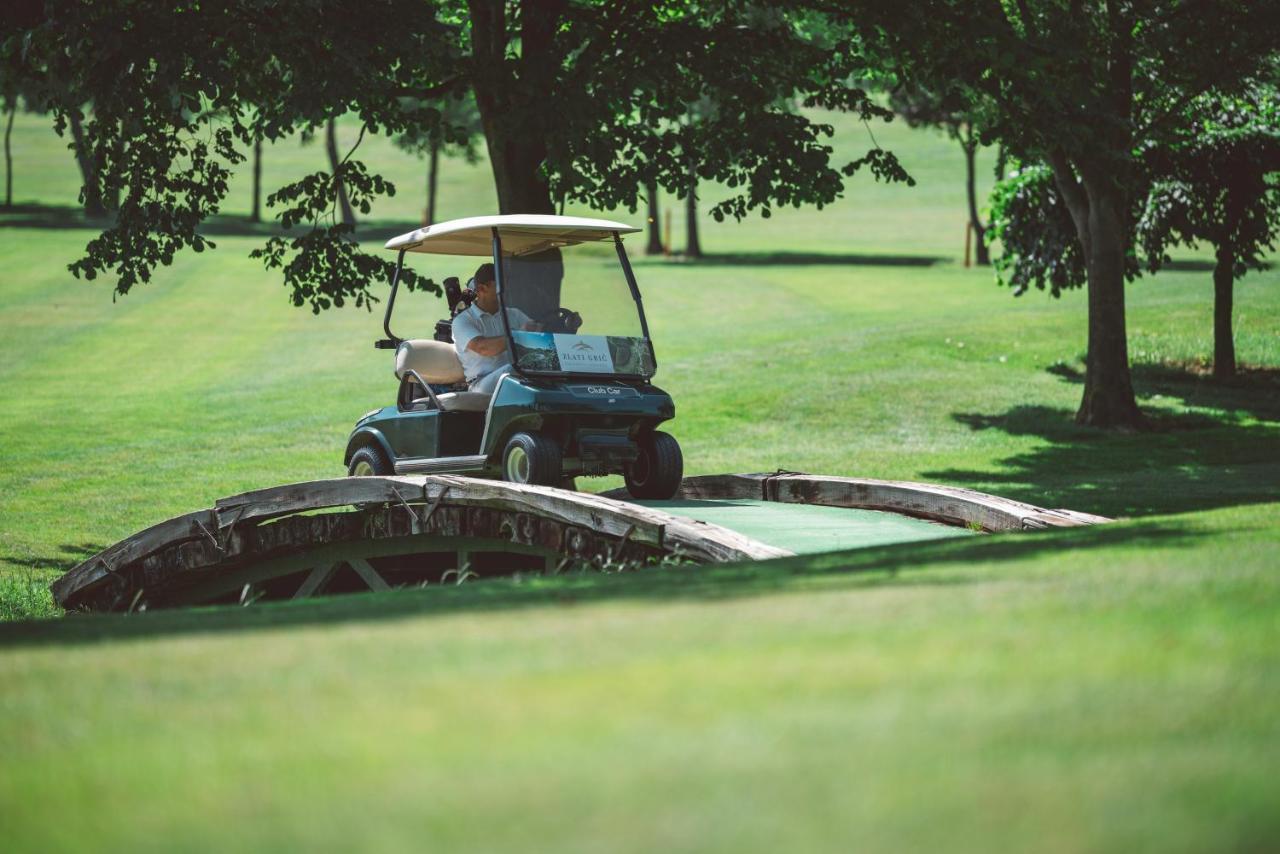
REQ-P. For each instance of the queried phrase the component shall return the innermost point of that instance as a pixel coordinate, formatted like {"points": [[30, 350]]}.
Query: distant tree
{"points": [[11, 108], [1214, 182], [653, 246], [1218, 183], [255, 215], [948, 111], [1079, 86], [454, 135], [91, 192], [335, 169], [692, 244]]}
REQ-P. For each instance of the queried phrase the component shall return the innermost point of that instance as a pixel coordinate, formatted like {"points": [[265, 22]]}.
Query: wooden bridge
{"points": [[349, 534]]}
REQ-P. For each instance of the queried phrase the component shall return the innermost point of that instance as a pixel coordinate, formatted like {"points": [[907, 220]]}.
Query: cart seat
{"points": [[434, 361]]}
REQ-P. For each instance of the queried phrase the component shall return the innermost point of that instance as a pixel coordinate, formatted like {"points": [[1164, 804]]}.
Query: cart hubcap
{"points": [[517, 465], [640, 468], [362, 469]]}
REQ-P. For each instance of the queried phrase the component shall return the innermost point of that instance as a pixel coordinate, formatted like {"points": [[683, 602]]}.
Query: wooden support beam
{"points": [[315, 580], [368, 574]]}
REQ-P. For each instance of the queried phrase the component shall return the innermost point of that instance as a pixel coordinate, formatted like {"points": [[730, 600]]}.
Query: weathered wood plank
{"points": [[132, 549], [576, 508]]}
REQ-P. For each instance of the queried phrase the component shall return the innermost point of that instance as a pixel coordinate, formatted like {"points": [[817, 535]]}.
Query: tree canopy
{"points": [[578, 101]]}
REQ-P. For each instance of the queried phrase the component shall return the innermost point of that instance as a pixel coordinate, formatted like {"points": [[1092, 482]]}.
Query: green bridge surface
{"points": [[809, 528]]}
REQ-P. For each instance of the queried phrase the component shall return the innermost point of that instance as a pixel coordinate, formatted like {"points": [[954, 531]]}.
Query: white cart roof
{"points": [[522, 234]]}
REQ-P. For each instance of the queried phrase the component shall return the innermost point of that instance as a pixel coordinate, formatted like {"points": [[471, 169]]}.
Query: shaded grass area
{"points": [[1094, 688]]}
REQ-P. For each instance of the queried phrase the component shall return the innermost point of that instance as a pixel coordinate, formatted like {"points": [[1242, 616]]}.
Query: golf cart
{"points": [[577, 401]]}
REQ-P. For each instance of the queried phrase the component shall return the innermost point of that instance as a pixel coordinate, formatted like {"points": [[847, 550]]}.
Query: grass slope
{"points": [[1084, 689], [1101, 689]]}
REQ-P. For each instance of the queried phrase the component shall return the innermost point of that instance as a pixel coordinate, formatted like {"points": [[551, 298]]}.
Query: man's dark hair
{"points": [[484, 274]]}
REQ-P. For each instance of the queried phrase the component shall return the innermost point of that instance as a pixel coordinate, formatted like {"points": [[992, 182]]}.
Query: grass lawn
{"points": [[1110, 688]]}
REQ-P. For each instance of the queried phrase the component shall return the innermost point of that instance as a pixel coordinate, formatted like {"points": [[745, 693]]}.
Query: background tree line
{"points": [[1134, 126]]}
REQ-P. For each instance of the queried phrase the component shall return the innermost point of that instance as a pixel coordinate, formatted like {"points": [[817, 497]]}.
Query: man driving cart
{"points": [[479, 338]]}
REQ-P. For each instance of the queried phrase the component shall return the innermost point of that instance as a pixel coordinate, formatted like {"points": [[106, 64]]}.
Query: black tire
{"points": [[370, 461], [531, 458], [658, 470]]}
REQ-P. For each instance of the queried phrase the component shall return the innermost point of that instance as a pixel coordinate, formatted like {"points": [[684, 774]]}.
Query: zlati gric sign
{"points": [[582, 354]]}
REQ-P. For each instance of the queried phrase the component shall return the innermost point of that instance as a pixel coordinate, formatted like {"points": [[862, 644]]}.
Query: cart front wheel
{"points": [[531, 458], [370, 461], [658, 469]]}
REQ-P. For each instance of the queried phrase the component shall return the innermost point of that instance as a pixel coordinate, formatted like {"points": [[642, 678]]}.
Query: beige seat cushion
{"points": [[434, 361], [464, 401]]}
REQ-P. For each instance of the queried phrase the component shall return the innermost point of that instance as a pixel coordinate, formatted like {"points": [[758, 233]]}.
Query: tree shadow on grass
{"points": [[799, 259], [1217, 455], [934, 563], [69, 554], [1253, 393], [71, 217]]}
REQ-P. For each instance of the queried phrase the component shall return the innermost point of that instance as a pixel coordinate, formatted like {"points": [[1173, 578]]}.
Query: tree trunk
{"points": [[1224, 346], [970, 146], [91, 191], [256, 214], [331, 145], [1108, 399], [692, 245], [505, 92], [654, 246], [1098, 209], [433, 167], [8, 156]]}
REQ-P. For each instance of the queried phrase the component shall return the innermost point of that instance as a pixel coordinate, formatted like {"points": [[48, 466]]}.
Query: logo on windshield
{"points": [[583, 345]]}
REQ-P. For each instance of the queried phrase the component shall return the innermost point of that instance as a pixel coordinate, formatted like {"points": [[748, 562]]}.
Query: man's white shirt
{"points": [[475, 322]]}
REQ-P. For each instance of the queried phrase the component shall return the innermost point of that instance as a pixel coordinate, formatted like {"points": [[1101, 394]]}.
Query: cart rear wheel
{"points": [[658, 469], [370, 461], [531, 458]]}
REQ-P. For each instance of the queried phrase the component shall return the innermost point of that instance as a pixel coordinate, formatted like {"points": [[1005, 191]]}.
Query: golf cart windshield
{"points": [[573, 310]]}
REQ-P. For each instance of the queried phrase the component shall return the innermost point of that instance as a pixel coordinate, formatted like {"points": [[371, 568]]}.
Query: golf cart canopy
{"points": [[522, 234]]}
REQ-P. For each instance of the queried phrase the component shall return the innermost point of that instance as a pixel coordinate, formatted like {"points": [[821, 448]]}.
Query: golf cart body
{"points": [[578, 400]]}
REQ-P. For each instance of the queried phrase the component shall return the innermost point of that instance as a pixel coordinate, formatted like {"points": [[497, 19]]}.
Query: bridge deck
{"points": [[808, 528]]}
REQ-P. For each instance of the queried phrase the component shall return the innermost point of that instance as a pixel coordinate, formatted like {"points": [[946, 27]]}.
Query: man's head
{"points": [[486, 290]]}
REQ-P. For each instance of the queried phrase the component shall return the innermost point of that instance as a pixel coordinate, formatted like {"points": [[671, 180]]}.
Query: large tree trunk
{"points": [[331, 146], [433, 172], [1098, 210], [1224, 345], [970, 146], [8, 156], [256, 214], [507, 96], [1108, 399], [91, 190], [654, 246], [512, 99], [692, 245]]}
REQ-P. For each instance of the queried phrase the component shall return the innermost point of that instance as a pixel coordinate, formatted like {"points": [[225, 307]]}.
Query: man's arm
{"points": [[487, 346], [522, 321]]}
